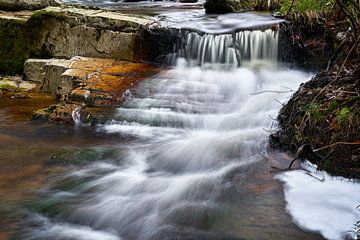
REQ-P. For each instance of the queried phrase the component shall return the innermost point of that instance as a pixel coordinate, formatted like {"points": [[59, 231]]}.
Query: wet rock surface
{"points": [[84, 82]]}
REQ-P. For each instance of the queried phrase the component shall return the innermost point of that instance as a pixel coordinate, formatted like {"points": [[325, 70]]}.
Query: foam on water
{"points": [[322, 203]]}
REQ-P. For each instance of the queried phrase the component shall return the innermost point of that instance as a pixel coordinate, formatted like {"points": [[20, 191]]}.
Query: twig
{"points": [[337, 143], [282, 104], [270, 91], [274, 119], [292, 162], [269, 131]]}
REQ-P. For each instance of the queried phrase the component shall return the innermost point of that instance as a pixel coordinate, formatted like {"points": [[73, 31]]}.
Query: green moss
{"points": [[332, 106], [5, 86], [41, 15], [314, 112], [343, 115]]}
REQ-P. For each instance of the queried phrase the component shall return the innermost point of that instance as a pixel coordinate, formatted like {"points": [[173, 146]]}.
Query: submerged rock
{"points": [[80, 156], [225, 6]]}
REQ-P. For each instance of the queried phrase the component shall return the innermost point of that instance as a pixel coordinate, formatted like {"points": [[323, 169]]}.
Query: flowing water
{"points": [[194, 165], [185, 157]]}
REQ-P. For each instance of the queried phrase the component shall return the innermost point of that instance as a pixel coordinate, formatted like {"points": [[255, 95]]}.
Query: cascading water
{"points": [[231, 50], [196, 134]]}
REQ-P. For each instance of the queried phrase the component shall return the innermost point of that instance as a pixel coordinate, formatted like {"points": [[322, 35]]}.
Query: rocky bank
{"points": [[321, 121], [87, 59]]}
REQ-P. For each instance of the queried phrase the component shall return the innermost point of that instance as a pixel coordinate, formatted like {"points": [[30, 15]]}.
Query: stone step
{"points": [[95, 82]]}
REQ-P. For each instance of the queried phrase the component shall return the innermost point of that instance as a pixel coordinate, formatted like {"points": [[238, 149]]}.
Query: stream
{"points": [[186, 156]]}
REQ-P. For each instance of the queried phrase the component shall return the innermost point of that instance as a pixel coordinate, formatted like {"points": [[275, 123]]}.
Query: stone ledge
{"points": [[65, 32]]}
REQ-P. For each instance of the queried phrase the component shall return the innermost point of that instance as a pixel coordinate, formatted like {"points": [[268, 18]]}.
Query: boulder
{"points": [[226, 6], [16, 5]]}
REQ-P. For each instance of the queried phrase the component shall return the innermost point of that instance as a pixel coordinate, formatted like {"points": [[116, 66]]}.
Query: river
{"points": [[186, 156]]}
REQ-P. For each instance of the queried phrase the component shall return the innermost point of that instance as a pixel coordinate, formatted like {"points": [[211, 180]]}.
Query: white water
{"points": [[192, 130], [321, 203], [229, 50]]}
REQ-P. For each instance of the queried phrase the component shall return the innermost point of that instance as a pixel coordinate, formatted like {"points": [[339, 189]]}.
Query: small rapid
{"points": [[196, 136]]}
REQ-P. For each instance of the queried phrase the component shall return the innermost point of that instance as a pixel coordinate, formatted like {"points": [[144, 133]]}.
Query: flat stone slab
{"points": [[87, 81], [84, 84]]}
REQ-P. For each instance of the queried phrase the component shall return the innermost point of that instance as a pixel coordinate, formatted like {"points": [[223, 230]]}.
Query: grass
{"points": [[303, 6]]}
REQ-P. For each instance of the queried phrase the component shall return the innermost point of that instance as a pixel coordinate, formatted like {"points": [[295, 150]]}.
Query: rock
{"points": [[226, 6], [48, 72], [87, 81], [15, 84], [34, 70], [66, 32], [69, 32], [76, 157], [83, 156], [13, 44], [16, 5], [42, 115], [60, 113], [53, 81]]}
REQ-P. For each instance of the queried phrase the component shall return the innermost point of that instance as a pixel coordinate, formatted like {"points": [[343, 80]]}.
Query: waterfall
{"points": [[196, 139], [228, 49]]}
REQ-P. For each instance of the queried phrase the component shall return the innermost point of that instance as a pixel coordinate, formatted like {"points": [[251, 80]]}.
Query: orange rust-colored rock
{"points": [[86, 83], [102, 82]]}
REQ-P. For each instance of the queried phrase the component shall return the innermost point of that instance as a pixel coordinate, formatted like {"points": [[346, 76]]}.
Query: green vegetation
{"points": [[343, 115], [315, 113], [302, 6]]}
